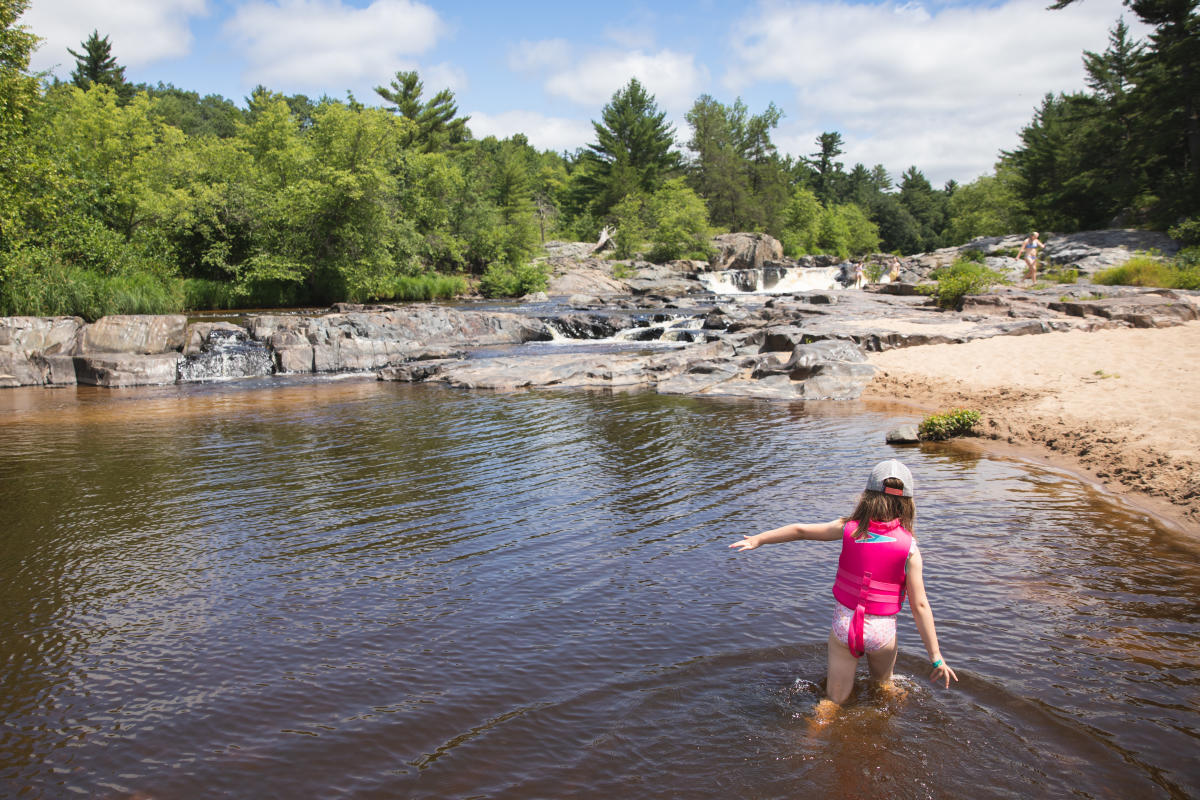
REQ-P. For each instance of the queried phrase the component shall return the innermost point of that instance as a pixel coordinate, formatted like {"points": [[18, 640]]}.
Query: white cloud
{"points": [[636, 37], [305, 43], [140, 31], [526, 56], [436, 77], [673, 78], [945, 90], [544, 133]]}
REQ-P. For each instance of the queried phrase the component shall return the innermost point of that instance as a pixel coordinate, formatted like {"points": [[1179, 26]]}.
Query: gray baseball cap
{"points": [[890, 469]]}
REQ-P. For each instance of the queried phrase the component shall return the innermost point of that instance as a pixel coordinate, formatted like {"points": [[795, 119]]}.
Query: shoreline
{"points": [[1119, 408]]}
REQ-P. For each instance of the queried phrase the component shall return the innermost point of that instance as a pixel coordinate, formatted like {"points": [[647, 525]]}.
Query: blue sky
{"points": [[943, 86]]}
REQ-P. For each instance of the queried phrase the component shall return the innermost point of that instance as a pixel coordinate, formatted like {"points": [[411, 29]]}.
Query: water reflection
{"points": [[304, 587]]}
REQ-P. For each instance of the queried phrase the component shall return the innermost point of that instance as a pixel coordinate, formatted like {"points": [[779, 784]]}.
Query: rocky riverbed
{"points": [[658, 327]]}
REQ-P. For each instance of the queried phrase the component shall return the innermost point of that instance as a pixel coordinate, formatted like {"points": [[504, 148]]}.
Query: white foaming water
{"points": [[772, 280]]}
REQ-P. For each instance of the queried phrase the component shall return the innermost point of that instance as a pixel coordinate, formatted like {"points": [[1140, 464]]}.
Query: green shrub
{"points": [[974, 256], [1187, 232], [670, 224], [1147, 270], [1061, 276], [960, 279], [501, 279], [873, 270], [955, 422]]}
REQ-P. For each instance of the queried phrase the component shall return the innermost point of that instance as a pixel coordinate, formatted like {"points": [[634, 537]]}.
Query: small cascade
{"points": [[687, 329], [226, 354], [772, 280], [594, 328]]}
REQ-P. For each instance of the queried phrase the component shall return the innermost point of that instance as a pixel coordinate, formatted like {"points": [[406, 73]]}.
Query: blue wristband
{"points": [[938, 663]]}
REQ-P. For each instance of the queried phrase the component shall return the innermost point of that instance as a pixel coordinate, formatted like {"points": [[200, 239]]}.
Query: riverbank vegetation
{"points": [[947, 425], [121, 197]]}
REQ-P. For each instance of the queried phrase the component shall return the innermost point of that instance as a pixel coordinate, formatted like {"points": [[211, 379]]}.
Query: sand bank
{"points": [[1121, 406]]}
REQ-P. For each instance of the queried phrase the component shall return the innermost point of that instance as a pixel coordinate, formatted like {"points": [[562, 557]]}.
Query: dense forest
{"points": [[117, 197]]}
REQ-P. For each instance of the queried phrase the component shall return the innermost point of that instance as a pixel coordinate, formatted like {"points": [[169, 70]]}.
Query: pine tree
{"points": [[437, 125], [96, 64], [828, 171], [634, 149], [736, 167]]}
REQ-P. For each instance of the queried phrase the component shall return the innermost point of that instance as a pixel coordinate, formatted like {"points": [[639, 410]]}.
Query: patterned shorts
{"points": [[878, 631]]}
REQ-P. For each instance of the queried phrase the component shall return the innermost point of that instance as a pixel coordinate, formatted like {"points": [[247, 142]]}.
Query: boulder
{"points": [[143, 334], [414, 371], [568, 250], [586, 280], [1158, 309], [661, 279], [118, 370], [50, 335], [293, 358], [198, 333], [1091, 251], [379, 338], [36, 351], [583, 326], [16, 369], [35, 369], [836, 380], [745, 251], [905, 434]]}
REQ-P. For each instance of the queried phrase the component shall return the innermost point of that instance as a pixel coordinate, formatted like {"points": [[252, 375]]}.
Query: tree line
{"points": [[149, 197]]}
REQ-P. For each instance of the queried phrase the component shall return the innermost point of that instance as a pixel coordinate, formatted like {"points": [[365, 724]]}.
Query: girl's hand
{"points": [[942, 672], [748, 543]]}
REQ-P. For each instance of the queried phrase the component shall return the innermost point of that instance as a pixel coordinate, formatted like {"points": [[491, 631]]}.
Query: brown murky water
{"points": [[355, 589]]}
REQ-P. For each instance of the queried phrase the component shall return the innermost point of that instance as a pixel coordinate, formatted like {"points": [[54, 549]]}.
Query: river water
{"points": [[344, 588]]}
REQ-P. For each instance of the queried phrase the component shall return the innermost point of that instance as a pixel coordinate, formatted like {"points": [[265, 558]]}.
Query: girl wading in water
{"points": [[880, 564]]}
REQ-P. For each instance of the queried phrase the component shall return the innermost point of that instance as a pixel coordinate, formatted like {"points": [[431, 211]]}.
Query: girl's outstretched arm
{"points": [[923, 616], [821, 531]]}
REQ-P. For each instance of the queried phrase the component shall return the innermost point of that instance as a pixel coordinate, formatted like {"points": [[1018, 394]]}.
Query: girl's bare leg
{"points": [[839, 682], [882, 662]]}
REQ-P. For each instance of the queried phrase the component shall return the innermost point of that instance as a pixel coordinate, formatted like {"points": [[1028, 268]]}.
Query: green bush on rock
{"points": [[502, 279], [1147, 270], [960, 279], [955, 422]]}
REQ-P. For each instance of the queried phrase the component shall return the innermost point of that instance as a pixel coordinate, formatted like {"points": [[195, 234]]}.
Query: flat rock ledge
{"points": [[803, 346]]}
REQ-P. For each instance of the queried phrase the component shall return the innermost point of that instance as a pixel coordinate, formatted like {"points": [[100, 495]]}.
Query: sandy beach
{"points": [[1119, 406]]}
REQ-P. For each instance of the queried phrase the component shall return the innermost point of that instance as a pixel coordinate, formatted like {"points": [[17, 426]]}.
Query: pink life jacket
{"points": [[870, 576]]}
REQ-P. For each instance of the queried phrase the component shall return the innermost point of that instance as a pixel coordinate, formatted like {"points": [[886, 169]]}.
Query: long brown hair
{"points": [[882, 507]]}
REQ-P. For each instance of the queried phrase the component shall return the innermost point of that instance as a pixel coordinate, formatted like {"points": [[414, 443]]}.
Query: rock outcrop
{"points": [[36, 351], [745, 250], [660, 330]]}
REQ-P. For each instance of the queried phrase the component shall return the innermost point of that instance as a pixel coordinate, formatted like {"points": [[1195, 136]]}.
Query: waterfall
{"points": [[772, 280], [226, 354]]}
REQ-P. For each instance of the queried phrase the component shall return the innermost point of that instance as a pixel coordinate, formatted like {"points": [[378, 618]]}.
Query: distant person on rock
{"points": [[860, 280], [1028, 253], [894, 273], [879, 566]]}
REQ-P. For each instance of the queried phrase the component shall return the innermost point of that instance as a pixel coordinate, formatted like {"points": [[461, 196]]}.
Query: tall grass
{"points": [[48, 289], [1146, 270], [411, 288], [30, 288]]}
